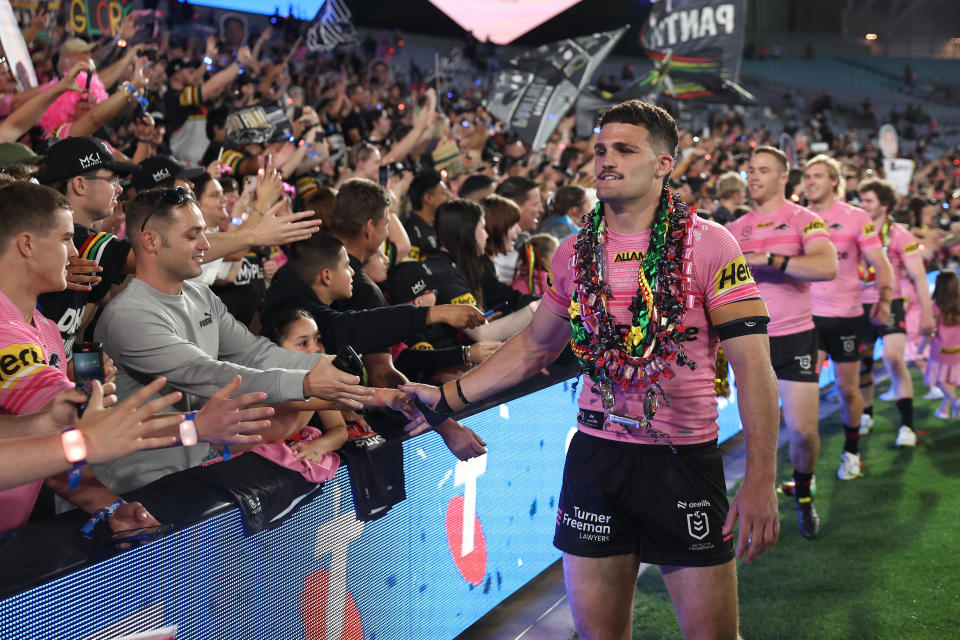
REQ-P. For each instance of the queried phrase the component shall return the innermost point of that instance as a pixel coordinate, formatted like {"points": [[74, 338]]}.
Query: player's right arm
{"points": [[539, 344]]}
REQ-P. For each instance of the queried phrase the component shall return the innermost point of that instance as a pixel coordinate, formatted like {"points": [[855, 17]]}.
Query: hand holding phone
{"points": [[130, 536], [87, 367]]}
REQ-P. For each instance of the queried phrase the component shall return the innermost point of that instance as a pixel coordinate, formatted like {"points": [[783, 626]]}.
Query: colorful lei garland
{"points": [[641, 356]]}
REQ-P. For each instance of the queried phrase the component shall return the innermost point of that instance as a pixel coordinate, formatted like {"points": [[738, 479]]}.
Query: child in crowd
{"points": [[532, 274], [943, 365], [304, 435]]}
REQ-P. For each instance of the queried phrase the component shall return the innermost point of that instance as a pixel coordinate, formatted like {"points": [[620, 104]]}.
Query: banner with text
{"points": [[538, 88], [697, 46]]}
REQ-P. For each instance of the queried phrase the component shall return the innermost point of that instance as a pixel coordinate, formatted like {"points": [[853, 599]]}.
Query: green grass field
{"points": [[887, 561]]}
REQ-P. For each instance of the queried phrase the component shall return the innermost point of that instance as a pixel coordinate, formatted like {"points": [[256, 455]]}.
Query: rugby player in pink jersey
{"points": [[837, 312], [787, 248], [630, 463], [878, 198]]}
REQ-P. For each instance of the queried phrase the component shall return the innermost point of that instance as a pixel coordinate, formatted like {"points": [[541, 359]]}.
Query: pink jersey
{"points": [[31, 357], [902, 249], [852, 232], [719, 277], [945, 346], [788, 231]]}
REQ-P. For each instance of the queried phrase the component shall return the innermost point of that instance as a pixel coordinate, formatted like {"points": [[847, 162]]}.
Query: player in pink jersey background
{"points": [[878, 198], [837, 312], [613, 477], [787, 248]]}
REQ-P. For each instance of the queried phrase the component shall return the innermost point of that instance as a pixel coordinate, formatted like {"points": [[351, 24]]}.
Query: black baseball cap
{"points": [[408, 281], [76, 156], [157, 170]]}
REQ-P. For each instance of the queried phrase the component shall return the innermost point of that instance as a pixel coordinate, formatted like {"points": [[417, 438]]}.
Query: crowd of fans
{"points": [[411, 226]]}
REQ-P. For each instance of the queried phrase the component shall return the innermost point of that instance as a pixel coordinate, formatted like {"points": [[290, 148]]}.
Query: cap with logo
{"points": [[16, 153], [408, 281], [160, 170], [76, 156]]}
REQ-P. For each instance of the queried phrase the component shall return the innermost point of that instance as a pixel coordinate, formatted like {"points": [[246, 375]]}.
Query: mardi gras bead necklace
{"points": [[641, 355]]}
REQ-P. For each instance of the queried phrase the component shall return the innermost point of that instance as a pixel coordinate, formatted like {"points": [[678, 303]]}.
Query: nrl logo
{"points": [[697, 525], [160, 176], [89, 161]]}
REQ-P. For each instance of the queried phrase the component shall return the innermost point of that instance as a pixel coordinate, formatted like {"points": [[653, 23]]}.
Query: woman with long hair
{"points": [[462, 274]]}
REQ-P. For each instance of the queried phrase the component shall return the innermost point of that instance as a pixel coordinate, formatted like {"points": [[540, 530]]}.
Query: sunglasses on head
{"points": [[173, 196]]}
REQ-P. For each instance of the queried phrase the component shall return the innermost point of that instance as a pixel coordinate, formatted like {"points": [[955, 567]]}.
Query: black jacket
{"points": [[366, 331]]}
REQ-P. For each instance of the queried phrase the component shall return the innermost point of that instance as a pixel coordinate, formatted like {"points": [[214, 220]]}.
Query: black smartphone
{"points": [[87, 367], [348, 360], [129, 536], [384, 175]]}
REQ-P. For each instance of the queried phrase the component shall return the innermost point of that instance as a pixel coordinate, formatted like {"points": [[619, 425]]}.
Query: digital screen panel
{"points": [[502, 21], [299, 9], [469, 534]]}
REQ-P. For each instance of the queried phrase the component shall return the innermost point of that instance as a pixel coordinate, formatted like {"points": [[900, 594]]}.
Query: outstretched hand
{"points": [[225, 420], [278, 228]]}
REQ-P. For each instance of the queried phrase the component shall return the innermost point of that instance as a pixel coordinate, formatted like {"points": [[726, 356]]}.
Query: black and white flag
{"points": [[538, 88], [332, 28]]}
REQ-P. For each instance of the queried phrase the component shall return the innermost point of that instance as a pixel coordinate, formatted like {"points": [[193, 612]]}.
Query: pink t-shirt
{"points": [[788, 231], [31, 357], [283, 455], [852, 232], [719, 277], [945, 346], [902, 249]]}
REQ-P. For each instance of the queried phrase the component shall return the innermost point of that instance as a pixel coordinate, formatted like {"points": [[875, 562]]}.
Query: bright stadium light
{"points": [[502, 21], [871, 36]]}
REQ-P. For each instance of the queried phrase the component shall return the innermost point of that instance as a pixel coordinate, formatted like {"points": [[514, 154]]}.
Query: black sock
{"points": [[851, 439], [802, 484], [905, 407], [868, 411]]}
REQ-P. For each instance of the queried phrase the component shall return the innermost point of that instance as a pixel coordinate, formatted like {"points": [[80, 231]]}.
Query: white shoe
{"points": [[849, 466], [888, 396], [906, 437], [934, 394], [866, 423]]}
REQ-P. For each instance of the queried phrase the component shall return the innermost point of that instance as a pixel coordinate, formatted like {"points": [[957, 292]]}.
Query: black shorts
{"points": [[839, 337], [897, 323], [794, 356], [623, 498]]}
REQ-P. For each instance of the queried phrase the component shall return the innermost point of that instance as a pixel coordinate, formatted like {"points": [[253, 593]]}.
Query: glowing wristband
{"points": [[75, 451], [188, 430]]}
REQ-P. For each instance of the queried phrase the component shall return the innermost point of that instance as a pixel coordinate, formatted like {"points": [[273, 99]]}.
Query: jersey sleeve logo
{"points": [[17, 361], [910, 249], [815, 226], [423, 346], [466, 298], [869, 229], [731, 276]]}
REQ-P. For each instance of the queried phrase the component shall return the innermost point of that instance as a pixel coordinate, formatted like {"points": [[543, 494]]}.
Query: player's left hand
{"points": [[755, 505]]}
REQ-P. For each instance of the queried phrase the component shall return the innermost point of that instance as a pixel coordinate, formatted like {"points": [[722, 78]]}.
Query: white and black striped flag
{"points": [[332, 28]]}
